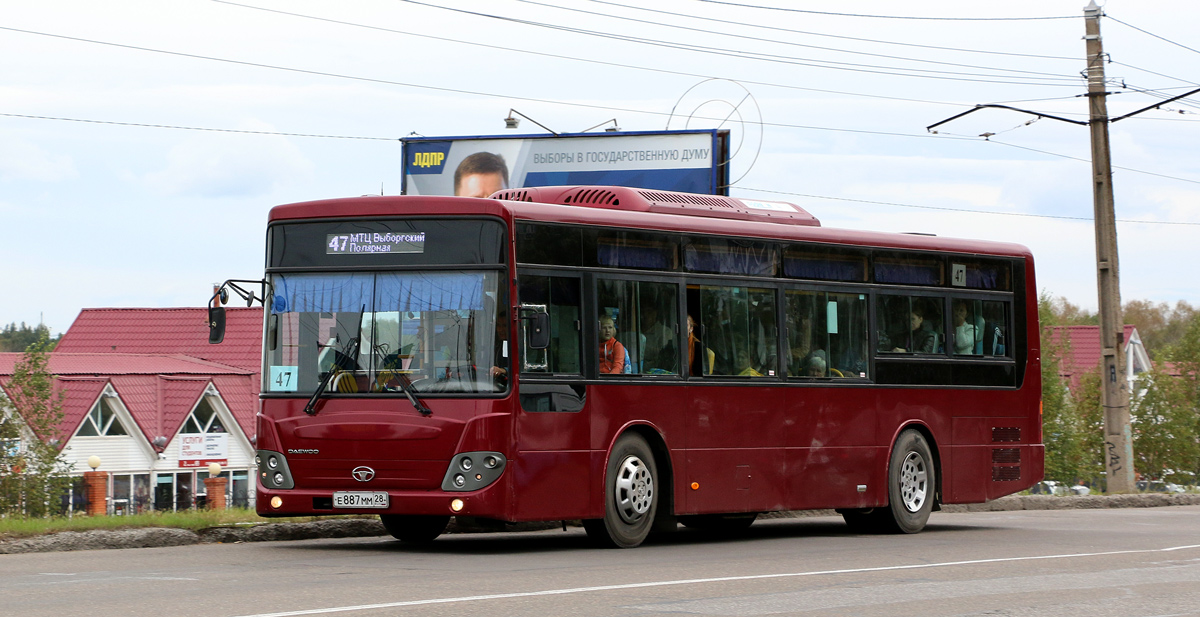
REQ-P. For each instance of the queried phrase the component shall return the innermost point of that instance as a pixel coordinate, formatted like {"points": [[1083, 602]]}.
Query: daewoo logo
{"points": [[303, 451], [362, 473]]}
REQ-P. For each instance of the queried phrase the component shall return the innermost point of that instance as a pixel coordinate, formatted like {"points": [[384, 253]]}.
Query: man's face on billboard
{"points": [[479, 185]]}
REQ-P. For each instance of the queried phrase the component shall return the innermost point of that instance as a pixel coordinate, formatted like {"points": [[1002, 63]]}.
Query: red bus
{"points": [[635, 359]]}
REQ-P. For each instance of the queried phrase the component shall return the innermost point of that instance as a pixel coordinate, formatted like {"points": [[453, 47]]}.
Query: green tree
{"points": [[1090, 415], [14, 338], [32, 469], [1061, 426], [1163, 419]]}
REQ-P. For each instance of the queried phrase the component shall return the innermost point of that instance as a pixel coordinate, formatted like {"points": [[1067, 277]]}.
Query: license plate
{"points": [[360, 499]]}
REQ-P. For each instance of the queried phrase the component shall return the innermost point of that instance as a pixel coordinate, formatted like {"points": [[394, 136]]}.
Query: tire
{"points": [[912, 485], [630, 495], [414, 529], [719, 523]]}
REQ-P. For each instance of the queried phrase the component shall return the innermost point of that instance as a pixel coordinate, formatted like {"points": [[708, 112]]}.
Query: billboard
{"points": [[693, 161]]}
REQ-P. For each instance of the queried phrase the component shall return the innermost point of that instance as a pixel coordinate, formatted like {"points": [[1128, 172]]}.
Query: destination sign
{"points": [[374, 242]]}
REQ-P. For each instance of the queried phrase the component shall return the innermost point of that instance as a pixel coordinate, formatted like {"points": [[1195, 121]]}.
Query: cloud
{"points": [[21, 160], [229, 165]]}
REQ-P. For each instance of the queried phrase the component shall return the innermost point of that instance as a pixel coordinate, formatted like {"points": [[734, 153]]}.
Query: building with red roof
{"points": [[146, 393], [1081, 352]]}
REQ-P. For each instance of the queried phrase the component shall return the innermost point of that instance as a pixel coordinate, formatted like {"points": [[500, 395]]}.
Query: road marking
{"points": [[700, 581]]}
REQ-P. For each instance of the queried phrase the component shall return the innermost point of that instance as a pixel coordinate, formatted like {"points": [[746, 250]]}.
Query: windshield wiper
{"points": [[407, 387], [346, 357]]}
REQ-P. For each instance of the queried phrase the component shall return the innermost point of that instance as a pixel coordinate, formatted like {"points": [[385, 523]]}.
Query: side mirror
{"points": [[537, 329], [216, 324]]}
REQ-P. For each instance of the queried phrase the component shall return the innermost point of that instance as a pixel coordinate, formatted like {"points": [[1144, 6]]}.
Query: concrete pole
{"points": [[1118, 442]]}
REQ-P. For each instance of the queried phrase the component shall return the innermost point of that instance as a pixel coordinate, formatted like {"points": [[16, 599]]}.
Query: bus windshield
{"points": [[377, 332]]}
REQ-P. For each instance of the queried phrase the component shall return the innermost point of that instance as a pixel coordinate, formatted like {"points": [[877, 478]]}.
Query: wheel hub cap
{"points": [[914, 486], [634, 490]]}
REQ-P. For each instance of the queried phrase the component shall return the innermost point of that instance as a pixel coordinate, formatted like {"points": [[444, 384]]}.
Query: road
{"points": [[1127, 562]]}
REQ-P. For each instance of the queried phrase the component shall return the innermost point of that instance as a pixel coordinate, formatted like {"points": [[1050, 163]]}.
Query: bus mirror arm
{"points": [[216, 309], [538, 329]]}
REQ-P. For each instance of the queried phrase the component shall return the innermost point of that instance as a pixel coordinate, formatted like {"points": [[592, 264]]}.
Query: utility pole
{"points": [[1118, 442]]}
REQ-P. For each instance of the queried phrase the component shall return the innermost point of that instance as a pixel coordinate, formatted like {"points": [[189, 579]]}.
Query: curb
{"points": [[357, 528]]}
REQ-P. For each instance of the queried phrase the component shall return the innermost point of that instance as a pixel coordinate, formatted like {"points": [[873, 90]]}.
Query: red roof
{"points": [[1081, 353], [167, 331], [159, 362]]}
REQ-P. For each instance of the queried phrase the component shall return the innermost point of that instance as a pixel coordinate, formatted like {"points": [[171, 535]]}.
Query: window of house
{"points": [[101, 420]]}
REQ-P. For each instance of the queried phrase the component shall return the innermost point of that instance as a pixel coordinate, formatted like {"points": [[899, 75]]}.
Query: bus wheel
{"points": [[630, 495], [414, 529], [911, 484]]}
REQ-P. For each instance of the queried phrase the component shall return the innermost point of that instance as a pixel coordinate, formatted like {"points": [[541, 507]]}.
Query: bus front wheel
{"points": [[630, 495], [912, 482], [414, 529]]}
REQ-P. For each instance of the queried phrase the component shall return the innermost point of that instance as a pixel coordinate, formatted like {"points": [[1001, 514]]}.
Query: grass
{"points": [[15, 528]]}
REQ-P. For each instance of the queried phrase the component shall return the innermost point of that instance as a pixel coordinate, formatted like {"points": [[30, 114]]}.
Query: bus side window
{"points": [[739, 328], [644, 314], [561, 295]]}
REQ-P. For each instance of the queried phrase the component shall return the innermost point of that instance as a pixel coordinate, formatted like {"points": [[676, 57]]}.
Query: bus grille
{"points": [[1010, 456], [1006, 433]]}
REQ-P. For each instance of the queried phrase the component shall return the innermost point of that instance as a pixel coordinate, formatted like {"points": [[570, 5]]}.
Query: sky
{"points": [[103, 204]]}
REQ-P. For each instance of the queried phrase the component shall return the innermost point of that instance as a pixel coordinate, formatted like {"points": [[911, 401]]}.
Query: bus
{"points": [[636, 360]]}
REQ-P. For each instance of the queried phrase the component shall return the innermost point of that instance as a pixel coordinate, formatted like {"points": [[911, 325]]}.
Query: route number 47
{"points": [[337, 244]]}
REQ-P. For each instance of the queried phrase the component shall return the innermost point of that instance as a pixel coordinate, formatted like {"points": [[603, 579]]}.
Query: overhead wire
{"points": [[195, 128], [1147, 32], [584, 60], [781, 42], [838, 36], [1067, 81], [903, 17]]}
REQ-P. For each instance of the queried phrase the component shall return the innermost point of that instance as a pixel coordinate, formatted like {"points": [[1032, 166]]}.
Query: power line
{"points": [[196, 128], [1151, 34], [775, 8], [964, 210], [838, 36], [776, 58], [779, 42], [606, 108], [585, 60]]}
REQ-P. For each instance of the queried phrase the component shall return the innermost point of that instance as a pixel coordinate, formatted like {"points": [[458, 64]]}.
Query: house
{"points": [[1082, 352], [146, 393]]}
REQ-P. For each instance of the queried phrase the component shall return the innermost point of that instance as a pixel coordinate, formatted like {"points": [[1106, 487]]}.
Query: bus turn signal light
{"points": [[695, 486]]}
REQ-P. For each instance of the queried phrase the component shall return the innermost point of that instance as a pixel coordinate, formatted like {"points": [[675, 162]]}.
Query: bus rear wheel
{"points": [[912, 482], [630, 495], [414, 529]]}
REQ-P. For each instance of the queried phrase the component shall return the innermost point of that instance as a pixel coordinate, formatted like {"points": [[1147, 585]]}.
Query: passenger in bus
{"points": [[699, 362], [480, 175], [745, 366], [922, 339], [967, 332], [814, 366], [612, 352], [658, 343]]}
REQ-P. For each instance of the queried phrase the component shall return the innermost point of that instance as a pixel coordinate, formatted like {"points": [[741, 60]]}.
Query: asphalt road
{"points": [[1126, 562]]}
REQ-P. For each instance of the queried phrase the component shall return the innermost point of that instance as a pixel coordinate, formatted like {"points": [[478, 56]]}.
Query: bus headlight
{"points": [[457, 481], [273, 470]]}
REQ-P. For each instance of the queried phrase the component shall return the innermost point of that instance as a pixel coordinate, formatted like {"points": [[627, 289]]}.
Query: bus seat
{"points": [[345, 382]]}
